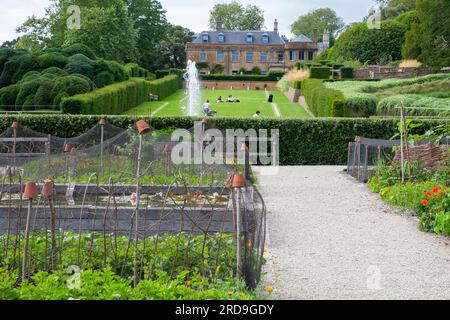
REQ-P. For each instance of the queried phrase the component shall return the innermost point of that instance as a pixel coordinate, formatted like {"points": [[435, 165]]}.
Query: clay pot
{"points": [[102, 121], [238, 181], [205, 121], [142, 127], [168, 148], [67, 148], [15, 125], [31, 191], [48, 190]]}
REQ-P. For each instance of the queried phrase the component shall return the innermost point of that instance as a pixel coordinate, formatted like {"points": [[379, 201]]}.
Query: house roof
{"points": [[301, 38], [239, 37]]}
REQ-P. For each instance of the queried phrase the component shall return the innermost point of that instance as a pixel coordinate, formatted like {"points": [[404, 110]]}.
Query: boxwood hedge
{"points": [[322, 101], [302, 141]]}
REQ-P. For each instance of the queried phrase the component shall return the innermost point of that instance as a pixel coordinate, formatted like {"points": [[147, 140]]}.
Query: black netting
{"points": [[121, 200]]}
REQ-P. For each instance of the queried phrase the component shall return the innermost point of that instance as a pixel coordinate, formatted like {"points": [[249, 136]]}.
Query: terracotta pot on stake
{"points": [[142, 128], [102, 124], [238, 184], [30, 193], [48, 192]]}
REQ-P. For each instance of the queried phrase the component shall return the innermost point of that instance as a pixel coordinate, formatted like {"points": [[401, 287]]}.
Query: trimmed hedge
{"points": [[320, 73], [347, 73], [323, 102], [271, 76], [113, 99], [120, 97], [162, 73], [323, 141], [297, 85]]}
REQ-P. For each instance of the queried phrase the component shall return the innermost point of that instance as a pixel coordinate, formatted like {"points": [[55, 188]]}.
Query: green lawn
{"points": [[250, 102]]}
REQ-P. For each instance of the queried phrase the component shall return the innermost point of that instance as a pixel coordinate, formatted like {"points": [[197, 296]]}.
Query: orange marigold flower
{"points": [[436, 189], [424, 202], [428, 194], [188, 283], [269, 289], [217, 269], [230, 293], [249, 245]]}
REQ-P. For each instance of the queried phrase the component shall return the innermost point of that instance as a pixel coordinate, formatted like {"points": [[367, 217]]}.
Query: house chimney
{"points": [[315, 35], [219, 25], [275, 26]]}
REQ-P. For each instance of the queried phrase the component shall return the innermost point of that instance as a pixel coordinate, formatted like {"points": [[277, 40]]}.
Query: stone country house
{"points": [[267, 50]]}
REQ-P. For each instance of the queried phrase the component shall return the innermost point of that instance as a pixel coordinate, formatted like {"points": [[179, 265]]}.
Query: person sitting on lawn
{"points": [[207, 109], [257, 114], [220, 100], [230, 98]]}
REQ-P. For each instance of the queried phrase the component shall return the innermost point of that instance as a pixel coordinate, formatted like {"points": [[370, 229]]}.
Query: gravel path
{"points": [[329, 237]]}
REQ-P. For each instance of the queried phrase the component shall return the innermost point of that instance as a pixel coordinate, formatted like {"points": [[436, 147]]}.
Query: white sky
{"points": [[194, 14]]}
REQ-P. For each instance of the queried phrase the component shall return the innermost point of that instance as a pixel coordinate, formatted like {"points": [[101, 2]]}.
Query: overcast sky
{"points": [[194, 14]]}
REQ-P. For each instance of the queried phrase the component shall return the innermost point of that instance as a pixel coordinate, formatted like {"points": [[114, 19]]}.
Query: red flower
{"points": [[424, 202], [436, 189], [429, 194]]}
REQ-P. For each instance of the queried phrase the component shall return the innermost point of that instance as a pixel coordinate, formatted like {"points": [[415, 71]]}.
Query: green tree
{"points": [[429, 38], [171, 51], [323, 18], [371, 45], [235, 16], [151, 26], [108, 31]]}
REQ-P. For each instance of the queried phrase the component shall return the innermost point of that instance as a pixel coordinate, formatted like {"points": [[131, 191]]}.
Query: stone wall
{"points": [[238, 85], [380, 72]]}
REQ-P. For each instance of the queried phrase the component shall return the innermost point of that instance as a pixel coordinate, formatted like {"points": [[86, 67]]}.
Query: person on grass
{"points": [[257, 114], [207, 109], [220, 100]]}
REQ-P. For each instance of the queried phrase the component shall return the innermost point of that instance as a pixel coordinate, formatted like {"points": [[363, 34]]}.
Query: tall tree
{"points": [[323, 18], [172, 50], [151, 26], [429, 38], [235, 16]]}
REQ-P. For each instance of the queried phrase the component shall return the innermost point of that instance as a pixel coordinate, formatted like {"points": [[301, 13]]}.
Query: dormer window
{"points": [[249, 38], [205, 37], [221, 38], [265, 38]]}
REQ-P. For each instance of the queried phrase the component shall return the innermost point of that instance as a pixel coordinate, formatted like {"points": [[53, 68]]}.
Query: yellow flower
{"points": [[188, 283], [217, 269], [242, 294], [265, 250], [249, 245], [230, 293], [269, 289]]}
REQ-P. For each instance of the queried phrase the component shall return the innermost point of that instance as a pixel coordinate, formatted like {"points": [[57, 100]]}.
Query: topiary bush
{"points": [[346, 73], [80, 48], [48, 60], [320, 72], [323, 102]]}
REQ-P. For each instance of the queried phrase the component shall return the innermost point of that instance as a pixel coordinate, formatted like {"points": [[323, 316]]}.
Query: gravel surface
{"points": [[329, 237]]}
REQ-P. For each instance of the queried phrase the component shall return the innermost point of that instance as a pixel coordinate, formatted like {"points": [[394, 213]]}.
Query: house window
{"points": [[221, 38], [220, 56], [249, 38], [235, 56], [291, 55], [263, 71], [280, 56], [301, 55], [205, 37], [265, 38], [311, 55], [249, 56], [203, 56], [263, 56]]}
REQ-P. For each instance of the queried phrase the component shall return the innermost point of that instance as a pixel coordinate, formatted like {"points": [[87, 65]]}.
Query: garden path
{"points": [[329, 237]]}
